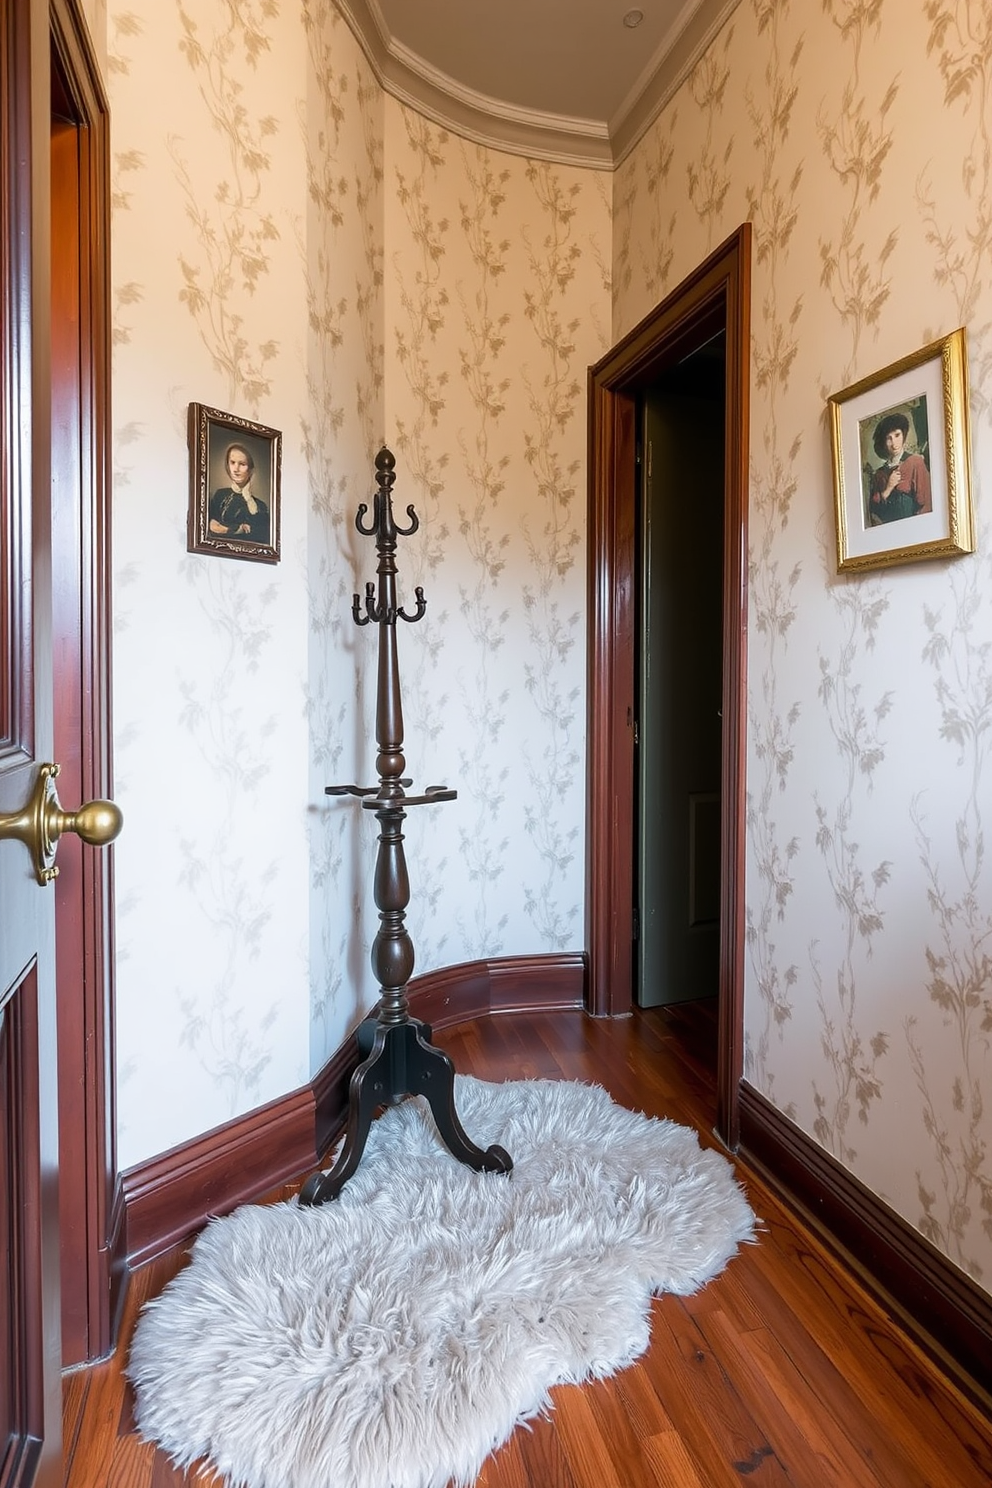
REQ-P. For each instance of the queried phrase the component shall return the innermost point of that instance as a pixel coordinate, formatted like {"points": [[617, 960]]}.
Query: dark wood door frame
{"points": [[717, 295], [81, 572]]}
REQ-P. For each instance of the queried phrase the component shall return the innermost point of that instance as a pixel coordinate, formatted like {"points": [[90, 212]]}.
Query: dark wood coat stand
{"points": [[396, 1056]]}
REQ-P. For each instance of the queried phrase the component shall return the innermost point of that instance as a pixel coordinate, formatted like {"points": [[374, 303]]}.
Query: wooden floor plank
{"points": [[542, 1456], [782, 1400], [722, 1438]]}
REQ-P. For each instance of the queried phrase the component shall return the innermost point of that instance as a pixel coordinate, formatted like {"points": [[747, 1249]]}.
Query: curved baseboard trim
{"points": [[456, 994], [169, 1198], [509, 984]]}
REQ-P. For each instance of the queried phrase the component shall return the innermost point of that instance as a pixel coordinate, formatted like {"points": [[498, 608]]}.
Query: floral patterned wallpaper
{"points": [[292, 245], [855, 136]]}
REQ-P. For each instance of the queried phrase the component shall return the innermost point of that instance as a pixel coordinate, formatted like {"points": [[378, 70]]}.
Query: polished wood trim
{"points": [[939, 1305], [611, 682], [453, 994], [81, 454], [117, 1261], [170, 1197], [717, 295], [730, 1046]]}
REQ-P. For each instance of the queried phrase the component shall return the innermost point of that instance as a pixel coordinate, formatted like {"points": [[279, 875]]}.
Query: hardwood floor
{"points": [[780, 1371]]}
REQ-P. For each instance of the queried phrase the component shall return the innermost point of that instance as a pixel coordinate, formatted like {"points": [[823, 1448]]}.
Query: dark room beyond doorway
{"points": [[680, 514]]}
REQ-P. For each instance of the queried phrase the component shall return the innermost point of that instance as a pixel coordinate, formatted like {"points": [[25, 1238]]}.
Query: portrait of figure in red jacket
{"points": [[900, 486]]}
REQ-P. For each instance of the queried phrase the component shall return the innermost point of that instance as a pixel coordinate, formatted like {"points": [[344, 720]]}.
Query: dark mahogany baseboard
{"points": [[171, 1196], [946, 1313], [165, 1201], [511, 984]]}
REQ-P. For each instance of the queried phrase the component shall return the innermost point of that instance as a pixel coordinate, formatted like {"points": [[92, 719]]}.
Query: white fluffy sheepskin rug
{"points": [[395, 1337]]}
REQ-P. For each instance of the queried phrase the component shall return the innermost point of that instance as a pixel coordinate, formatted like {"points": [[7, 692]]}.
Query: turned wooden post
{"points": [[396, 1056]]}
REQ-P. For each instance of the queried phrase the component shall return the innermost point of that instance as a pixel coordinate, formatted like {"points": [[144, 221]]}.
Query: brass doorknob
{"points": [[42, 822]]}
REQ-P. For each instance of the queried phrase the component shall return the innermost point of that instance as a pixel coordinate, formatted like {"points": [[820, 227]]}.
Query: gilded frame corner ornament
{"points": [[901, 448], [235, 500]]}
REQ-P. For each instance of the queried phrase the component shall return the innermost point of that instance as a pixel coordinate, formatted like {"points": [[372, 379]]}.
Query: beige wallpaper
{"points": [[341, 428], [860, 150]]}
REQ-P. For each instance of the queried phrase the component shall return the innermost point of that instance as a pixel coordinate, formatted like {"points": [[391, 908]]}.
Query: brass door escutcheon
{"points": [[42, 822]]}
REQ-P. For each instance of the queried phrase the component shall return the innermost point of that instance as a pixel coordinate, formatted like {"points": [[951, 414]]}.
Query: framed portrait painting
{"points": [[902, 461], [235, 470]]}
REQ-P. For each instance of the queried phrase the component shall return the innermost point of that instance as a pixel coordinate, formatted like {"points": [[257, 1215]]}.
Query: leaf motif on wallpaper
{"points": [[961, 35], [856, 888], [369, 378], [951, 1074], [553, 536], [320, 19], [123, 26], [230, 892], [857, 137], [487, 539], [126, 163], [953, 1069], [708, 173], [853, 1063], [234, 1057], [959, 1204], [773, 209], [424, 302], [340, 427], [126, 434], [229, 253], [131, 293]]}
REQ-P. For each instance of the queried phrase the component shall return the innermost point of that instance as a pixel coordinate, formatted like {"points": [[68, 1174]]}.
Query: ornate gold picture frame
{"points": [[235, 469], [901, 442]]}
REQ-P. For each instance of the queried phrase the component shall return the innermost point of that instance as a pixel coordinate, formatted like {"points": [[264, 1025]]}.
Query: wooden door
{"points": [[681, 682], [30, 1435]]}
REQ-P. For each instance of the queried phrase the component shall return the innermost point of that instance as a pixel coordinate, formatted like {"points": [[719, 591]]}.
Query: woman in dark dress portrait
{"points": [[235, 510]]}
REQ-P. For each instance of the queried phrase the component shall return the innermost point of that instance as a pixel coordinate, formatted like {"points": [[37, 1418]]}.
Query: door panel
{"points": [[22, 1298], [681, 680], [29, 1370]]}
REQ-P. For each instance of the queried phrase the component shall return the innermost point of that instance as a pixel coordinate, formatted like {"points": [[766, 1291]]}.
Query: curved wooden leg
{"points": [[400, 1062], [368, 1089], [430, 1073]]}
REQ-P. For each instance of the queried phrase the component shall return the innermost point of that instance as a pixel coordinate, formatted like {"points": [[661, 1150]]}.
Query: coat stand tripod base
{"points": [[400, 1059], [397, 1058]]}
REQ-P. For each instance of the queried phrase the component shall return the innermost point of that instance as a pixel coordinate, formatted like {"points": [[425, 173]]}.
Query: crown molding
{"points": [[594, 143], [666, 72]]}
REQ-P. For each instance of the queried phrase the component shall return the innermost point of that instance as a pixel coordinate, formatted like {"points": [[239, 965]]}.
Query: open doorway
{"points": [[713, 301], [680, 504]]}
